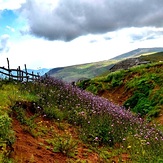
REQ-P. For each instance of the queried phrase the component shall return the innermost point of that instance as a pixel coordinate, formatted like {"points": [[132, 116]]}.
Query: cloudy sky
{"points": [[56, 33]]}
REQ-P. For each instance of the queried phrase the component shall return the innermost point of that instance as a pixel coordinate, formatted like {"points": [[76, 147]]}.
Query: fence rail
{"points": [[18, 74]]}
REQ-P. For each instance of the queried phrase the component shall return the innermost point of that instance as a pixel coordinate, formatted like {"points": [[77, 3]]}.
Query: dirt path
{"points": [[30, 149], [27, 149]]}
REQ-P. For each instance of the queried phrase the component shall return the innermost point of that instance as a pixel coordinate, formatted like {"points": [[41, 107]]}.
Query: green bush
{"points": [[64, 144], [116, 78], [53, 112], [7, 137], [143, 106], [154, 112], [6, 133], [133, 100], [94, 88], [83, 84]]}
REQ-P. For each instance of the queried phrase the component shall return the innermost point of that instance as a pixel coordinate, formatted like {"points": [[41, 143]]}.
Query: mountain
{"points": [[90, 70], [137, 52], [80, 72], [39, 71]]}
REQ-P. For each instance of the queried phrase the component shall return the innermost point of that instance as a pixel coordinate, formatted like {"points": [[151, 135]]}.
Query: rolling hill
{"points": [[137, 52], [90, 70], [137, 87]]}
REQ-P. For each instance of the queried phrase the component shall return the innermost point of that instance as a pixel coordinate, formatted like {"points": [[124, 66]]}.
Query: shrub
{"points": [[7, 138], [64, 144], [133, 100], [143, 106], [6, 133], [116, 78], [53, 112]]}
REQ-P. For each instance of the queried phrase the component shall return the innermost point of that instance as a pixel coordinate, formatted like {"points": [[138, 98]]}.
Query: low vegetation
{"points": [[142, 85], [105, 130], [83, 71]]}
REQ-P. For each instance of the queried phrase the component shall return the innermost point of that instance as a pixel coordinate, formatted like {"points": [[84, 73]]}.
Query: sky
{"points": [[57, 33]]}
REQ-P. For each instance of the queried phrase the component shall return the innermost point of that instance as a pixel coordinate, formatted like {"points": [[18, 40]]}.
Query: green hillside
{"points": [[91, 70], [49, 120], [139, 88], [77, 72], [52, 121]]}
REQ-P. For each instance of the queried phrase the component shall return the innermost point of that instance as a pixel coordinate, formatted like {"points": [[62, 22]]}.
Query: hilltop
{"points": [[91, 70], [138, 52]]}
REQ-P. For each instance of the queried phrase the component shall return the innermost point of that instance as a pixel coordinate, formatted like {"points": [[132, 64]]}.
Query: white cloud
{"points": [[10, 28], [40, 53], [11, 4]]}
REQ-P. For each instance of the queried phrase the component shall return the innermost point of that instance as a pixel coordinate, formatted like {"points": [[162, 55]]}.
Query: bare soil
{"points": [[29, 148]]}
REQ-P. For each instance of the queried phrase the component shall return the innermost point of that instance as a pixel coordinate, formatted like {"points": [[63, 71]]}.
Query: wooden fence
{"points": [[17, 74]]}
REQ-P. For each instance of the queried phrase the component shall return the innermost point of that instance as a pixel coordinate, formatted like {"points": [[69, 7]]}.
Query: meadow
{"points": [[107, 129], [139, 88]]}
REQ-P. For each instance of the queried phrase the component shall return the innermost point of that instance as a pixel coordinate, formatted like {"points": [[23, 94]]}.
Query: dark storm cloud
{"points": [[73, 18]]}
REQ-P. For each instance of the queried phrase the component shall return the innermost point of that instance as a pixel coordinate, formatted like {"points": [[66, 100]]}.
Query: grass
{"points": [[147, 90], [153, 57], [64, 144], [99, 122], [6, 136], [77, 72], [144, 83]]}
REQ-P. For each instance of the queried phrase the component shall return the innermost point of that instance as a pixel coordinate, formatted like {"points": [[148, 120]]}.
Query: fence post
{"points": [[46, 75], [33, 76], [22, 76], [19, 70], [18, 73], [38, 76], [9, 71], [26, 72]]}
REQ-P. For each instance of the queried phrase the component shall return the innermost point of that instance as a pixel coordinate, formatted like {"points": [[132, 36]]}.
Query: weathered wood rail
{"points": [[17, 74]]}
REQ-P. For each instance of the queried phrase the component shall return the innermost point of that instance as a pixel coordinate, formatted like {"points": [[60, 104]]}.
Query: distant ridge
{"points": [[137, 52], [54, 70], [41, 71], [91, 70]]}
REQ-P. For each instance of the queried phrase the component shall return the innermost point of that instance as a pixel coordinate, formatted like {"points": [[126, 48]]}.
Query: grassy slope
{"points": [[61, 121], [28, 136], [34, 111], [90, 70], [74, 73], [139, 88]]}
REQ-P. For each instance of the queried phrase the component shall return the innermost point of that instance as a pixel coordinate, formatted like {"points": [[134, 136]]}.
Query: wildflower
{"points": [[148, 143], [156, 138], [129, 147], [96, 138], [38, 107]]}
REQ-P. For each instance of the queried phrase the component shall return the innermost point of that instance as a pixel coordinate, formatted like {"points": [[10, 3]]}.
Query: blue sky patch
{"points": [[7, 22]]}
